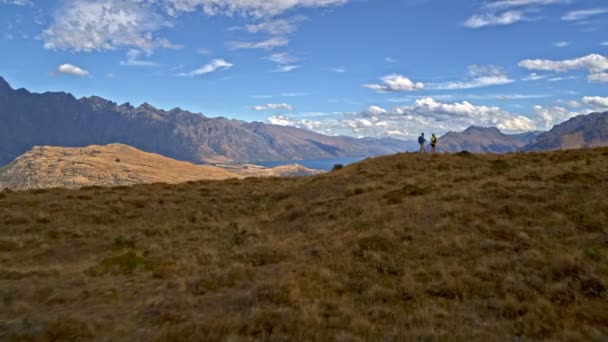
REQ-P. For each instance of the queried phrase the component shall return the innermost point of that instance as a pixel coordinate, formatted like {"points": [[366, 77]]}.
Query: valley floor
{"points": [[405, 247]]}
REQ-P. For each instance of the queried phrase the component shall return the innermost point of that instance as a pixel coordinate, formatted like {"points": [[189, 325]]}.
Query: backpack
{"points": [[421, 140]]}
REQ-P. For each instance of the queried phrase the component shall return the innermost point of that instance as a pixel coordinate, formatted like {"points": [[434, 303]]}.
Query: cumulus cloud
{"points": [[268, 44], [86, 25], [596, 64], [596, 101], [213, 66], [425, 114], [253, 8], [601, 77], [547, 117], [479, 76], [584, 14], [395, 83], [71, 69], [273, 106]]}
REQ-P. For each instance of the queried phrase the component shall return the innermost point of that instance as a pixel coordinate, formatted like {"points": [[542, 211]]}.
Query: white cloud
{"points": [[133, 59], [286, 68], [584, 14], [254, 8], [426, 114], [390, 60], [479, 76], [282, 58], [339, 70], [17, 2], [293, 94], [562, 44], [395, 83], [71, 69], [557, 79], [203, 51], [274, 27], [604, 43], [268, 44], [601, 77], [273, 106], [213, 66], [596, 65], [596, 101], [534, 77], [547, 117], [507, 12], [280, 120], [491, 19], [87, 25], [505, 4]]}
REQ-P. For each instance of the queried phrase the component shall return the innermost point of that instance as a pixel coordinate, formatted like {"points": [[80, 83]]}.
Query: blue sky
{"points": [[362, 68]]}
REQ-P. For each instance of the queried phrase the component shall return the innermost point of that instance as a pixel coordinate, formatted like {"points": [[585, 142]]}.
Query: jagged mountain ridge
{"points": [[484, 140], [579, 132], [59, 119]]}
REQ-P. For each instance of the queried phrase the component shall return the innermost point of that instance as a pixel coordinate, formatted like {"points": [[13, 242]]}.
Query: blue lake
{"points": [[325, 164]]}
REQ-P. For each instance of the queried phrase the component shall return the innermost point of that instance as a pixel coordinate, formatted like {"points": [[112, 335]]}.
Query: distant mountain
{"points": [[58, 119], [114, 165], [579, 132], [484, 140]]}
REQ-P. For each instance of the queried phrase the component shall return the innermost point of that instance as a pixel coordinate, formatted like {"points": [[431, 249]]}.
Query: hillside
{"points": [[400, 248], [484, 140], [58, 119], [579, 132], [117, 165]]}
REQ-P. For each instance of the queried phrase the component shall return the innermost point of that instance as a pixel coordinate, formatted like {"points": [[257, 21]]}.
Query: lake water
{"points": [[325, 164]]}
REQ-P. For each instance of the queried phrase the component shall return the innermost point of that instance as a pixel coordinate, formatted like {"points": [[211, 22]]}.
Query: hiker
{"points": [[433, 143], [422, 141]]}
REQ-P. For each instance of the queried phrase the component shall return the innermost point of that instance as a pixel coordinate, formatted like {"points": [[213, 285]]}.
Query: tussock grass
{"points": [[404, 247]]}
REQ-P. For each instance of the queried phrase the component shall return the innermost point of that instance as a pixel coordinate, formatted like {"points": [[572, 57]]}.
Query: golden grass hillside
{"points": [[115, 165], [406, 247]]}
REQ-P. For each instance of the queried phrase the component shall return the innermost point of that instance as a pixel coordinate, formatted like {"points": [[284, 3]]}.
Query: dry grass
{"points": [[406, 247]]}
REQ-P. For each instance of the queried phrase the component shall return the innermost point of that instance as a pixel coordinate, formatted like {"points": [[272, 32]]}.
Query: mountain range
{"points": [[59, 119], [582, 131], [485, 140]]}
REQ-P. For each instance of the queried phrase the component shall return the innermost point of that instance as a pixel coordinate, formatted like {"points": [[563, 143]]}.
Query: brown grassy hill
{"points": [[115, 165], [407, 247]]}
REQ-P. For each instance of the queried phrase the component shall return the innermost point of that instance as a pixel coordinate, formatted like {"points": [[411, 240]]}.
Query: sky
{"points": [[379, 68]]}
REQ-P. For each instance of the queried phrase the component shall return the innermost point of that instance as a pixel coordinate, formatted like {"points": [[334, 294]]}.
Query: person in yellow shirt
{"points": [[434, 141]]}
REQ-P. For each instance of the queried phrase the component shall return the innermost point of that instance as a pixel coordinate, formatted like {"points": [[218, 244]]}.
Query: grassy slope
{"points": [[402, 247]]}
